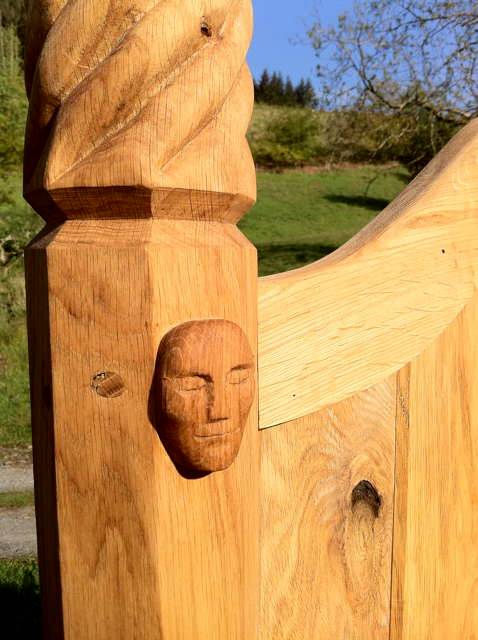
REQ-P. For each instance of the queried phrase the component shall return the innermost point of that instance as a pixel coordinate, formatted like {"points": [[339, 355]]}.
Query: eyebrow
{"points": [[188, 374], [240, 367], [207, 376]]}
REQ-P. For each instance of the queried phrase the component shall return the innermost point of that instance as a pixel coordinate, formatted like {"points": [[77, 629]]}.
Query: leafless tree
{"points": [[407, 67]]}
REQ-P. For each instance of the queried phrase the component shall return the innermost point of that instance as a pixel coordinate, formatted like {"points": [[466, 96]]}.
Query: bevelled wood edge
{"points": [[114, 514], [112, 203]]}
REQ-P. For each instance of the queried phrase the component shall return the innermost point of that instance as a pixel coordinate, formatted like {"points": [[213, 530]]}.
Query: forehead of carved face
{"points": [[207, 378]]}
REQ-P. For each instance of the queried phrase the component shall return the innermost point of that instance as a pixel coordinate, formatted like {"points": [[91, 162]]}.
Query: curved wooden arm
{"points": [[344, 323]]}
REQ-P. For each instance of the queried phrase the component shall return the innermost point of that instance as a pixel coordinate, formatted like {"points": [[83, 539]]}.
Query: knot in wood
{"points": [[108, 384], [206, 29], [365, 493]]}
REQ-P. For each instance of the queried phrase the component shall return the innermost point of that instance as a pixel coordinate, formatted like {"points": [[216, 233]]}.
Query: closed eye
{"points": [[190, 383], [238, 375]]}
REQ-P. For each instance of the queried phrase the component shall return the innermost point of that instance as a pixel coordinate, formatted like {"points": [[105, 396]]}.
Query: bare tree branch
{"points": [[408, 60]]}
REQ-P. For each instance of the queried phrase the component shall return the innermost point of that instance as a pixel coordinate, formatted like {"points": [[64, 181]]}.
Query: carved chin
{"points": [[217, 453], [203, 454]]}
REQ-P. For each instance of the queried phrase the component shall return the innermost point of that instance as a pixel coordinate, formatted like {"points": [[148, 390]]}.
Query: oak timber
{"points": [[139, 108], [325, 546], [435, 587], [204, 386], [141, 551], [341, 325], [136, 157]]}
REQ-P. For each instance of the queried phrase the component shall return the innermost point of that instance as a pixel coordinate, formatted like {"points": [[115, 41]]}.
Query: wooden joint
{"points": [[108, 384]]}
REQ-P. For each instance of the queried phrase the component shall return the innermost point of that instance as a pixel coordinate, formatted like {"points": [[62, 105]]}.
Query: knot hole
{"points": [[205, 28], [366, 494]]}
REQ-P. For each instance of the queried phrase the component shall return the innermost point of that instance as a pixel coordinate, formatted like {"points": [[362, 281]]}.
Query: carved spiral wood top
{"points": [[139, 108]]}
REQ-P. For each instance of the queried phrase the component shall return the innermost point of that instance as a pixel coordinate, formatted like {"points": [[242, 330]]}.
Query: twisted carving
{"points": [[139, 108]]}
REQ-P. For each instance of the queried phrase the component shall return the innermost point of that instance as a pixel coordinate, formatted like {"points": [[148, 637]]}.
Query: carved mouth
{"points": [[216, 434]]}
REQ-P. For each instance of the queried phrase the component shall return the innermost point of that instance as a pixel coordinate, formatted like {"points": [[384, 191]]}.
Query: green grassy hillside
{"points": [[301, 217]]}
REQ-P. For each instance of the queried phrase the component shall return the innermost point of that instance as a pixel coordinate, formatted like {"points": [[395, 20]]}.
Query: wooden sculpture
{"points": [[204, 391], [172, 503]]}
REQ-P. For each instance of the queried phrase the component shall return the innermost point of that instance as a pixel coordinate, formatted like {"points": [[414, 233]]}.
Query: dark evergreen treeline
{"points": [[12, 14], [273, 89]]}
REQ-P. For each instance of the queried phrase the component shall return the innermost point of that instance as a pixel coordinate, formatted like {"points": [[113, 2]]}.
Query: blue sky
{"points": [[279, 21]]}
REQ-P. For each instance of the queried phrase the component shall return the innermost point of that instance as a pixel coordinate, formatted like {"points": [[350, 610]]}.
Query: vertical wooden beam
{"points": [[136, 157], [435, 565]]}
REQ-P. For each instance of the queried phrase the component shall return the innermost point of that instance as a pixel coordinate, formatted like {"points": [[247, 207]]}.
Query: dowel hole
{"points": [[366, 494], [108, 384], [206, 29]]}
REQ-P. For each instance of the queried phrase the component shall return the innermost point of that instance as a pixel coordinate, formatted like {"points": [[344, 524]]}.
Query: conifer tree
{"points": [[276, 89], [273, 89], [290, 98], [262, 86], [305, 94]]}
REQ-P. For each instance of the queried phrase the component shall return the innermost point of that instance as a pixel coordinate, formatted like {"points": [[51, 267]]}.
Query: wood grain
{"points": [[400, 506], [343, 324], [326, 549], [141, 551], [136, 138], [139, 108], [435, 590]]}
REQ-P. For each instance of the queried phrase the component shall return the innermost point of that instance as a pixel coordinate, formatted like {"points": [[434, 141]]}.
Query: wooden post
{"points": [[136, 157]]}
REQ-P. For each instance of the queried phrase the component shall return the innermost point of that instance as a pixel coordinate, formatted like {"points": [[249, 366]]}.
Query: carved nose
{"points": [[218, 409]]}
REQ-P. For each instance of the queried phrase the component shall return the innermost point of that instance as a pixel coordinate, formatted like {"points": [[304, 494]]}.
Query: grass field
{"points": [[299, 218], [16, 499]]}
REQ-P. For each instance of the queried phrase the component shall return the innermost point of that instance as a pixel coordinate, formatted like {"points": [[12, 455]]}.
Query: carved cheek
{"points": [[246, 396], [184, 406], [241, 397]]}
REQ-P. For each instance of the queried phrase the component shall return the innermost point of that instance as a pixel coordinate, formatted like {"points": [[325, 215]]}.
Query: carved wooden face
{"points": [[207, 376]]}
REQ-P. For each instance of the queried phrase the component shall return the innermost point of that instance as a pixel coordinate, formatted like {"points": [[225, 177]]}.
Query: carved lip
{"points": [[221, 434]]}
